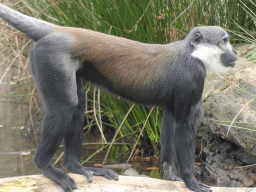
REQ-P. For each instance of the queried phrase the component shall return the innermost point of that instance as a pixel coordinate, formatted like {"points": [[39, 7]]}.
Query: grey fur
{"points": [[32, 27]]}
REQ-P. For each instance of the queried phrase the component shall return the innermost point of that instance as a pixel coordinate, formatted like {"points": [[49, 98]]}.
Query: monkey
{"points": [[168, 75]]}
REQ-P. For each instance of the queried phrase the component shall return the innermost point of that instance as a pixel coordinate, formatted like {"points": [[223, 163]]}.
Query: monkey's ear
{"points": [[197, 39]]}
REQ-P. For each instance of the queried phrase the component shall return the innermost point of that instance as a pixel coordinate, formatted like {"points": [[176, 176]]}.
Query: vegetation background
{"points": [[149, 21]]}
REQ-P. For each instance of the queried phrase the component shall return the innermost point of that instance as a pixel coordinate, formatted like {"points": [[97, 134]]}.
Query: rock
{"points": [[131, 172], [118, 166], [230, 100]]}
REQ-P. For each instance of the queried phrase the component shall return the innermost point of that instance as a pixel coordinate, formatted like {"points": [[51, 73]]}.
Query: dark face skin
{"points": [[229, 56]]}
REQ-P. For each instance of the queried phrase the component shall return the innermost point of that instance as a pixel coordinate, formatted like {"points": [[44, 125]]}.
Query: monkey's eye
{"points": [[224, 41]]}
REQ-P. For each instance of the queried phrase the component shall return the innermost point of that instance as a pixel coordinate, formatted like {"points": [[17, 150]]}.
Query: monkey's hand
{"points": [[192, 184]]}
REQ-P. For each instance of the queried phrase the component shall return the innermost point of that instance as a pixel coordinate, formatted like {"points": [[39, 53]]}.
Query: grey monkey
{"points": [[171, 76]]}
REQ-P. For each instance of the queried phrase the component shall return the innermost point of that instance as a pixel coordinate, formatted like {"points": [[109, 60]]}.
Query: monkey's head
{"points": [[210, 44]]}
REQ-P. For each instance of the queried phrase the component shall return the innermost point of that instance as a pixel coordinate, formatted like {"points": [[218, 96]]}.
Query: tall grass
{"points": [[150, 21]]}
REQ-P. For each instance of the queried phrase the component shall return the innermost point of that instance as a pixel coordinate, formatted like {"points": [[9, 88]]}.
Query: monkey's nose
{"points": [[235, 51]]}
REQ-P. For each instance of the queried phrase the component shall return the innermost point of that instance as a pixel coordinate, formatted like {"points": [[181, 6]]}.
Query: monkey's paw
{"points": [[89, 171], [59, 177], [196, 186]]}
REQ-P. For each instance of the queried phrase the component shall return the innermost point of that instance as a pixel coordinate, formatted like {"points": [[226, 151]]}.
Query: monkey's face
{"points": [[215, 52], [229, 55]]}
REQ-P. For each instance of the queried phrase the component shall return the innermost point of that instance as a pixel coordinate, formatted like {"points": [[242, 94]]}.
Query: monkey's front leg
{"points": [[184, 145]]}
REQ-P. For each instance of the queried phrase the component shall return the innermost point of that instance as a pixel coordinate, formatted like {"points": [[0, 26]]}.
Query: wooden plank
{"points": [[39, 183]]}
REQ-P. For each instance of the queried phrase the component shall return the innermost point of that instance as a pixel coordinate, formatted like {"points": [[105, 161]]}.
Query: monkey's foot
{"points": [[108, 173], [200, 187], [204, 187], [59, 177], [89, 171]]}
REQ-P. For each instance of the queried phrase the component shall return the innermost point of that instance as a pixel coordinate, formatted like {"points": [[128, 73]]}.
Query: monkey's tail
{"points": [[32, 27]]}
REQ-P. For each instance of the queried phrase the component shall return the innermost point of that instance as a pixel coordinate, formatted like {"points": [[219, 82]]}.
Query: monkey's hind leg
{"points": [[73, 142], [60, 89], [56, 84]]}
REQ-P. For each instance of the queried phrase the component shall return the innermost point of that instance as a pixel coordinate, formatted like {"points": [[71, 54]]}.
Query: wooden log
{"points": [[39, 183]]}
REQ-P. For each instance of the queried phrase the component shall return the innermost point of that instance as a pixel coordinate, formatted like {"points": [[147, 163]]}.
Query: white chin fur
{"points": [[210, 56]]}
